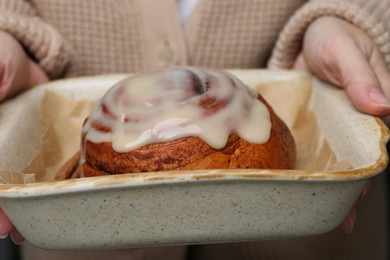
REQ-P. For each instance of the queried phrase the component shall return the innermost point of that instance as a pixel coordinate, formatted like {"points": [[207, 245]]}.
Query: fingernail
{"points": [[378, 98], [15, 240], [3, 236]]}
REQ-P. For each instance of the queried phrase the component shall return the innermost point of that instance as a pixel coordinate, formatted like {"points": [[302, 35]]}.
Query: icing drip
{"points": [[173, 103]]}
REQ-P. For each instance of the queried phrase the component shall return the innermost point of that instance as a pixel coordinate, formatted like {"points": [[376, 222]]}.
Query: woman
{"points": [[344, 42]]}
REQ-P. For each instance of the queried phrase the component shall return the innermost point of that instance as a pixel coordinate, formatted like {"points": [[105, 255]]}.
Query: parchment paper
{"points": [[63, 118]]}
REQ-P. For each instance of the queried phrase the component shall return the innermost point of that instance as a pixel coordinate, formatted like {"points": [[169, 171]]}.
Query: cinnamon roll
{"points": [[185, 119]]}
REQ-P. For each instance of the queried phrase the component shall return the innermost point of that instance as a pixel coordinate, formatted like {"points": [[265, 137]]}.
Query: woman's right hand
{"points": [[17, 71], [7, 228]]}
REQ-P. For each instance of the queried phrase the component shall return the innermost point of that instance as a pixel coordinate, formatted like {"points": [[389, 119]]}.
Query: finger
{"points": [[381, 70], [16, 237], [364, 192], [36, 75], [349, 222], [5, 82], [361, 82], [5, 225]]}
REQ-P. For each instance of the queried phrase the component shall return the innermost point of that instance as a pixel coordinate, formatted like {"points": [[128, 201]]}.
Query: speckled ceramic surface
{"points": [[186, 207]]}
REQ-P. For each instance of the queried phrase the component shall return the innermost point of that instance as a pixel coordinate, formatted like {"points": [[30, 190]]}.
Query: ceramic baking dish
{"points": [[168, 208]]}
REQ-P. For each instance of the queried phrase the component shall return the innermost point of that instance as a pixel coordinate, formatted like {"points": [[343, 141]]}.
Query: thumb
{"points": [[352, 71], [35, 76], [5, 224], [363, 85], [347, 66]]}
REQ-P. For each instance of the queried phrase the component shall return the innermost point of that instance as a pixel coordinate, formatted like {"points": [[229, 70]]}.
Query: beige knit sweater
{"points": [[73, 37]]}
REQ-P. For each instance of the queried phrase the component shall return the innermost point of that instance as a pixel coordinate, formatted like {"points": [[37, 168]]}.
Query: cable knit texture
{"points": [[41, 40], [99, 36]]}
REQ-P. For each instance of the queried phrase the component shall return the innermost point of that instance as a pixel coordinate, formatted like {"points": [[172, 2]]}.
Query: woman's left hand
{"points": [[343, 54]]}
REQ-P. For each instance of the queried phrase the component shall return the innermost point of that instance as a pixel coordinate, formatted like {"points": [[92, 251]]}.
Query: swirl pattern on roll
{"points": [[170, 118]]}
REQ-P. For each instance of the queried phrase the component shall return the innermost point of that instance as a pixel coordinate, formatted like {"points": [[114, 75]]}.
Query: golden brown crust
{"points": [[191, 153]]}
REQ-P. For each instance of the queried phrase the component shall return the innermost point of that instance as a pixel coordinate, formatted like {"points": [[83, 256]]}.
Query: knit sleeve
{"points": [[372, 16], [41, 41]]}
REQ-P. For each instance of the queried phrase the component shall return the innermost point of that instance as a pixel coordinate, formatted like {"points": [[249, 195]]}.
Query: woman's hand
{"points": [[341, 53], [338, 52], [17, 71], [6, 228]]}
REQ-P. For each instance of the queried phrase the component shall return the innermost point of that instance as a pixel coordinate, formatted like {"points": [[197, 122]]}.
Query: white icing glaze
{"points": [[167, 104]]}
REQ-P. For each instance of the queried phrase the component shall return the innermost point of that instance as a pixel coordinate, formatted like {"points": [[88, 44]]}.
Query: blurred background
{"points": [[8, 250]]}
